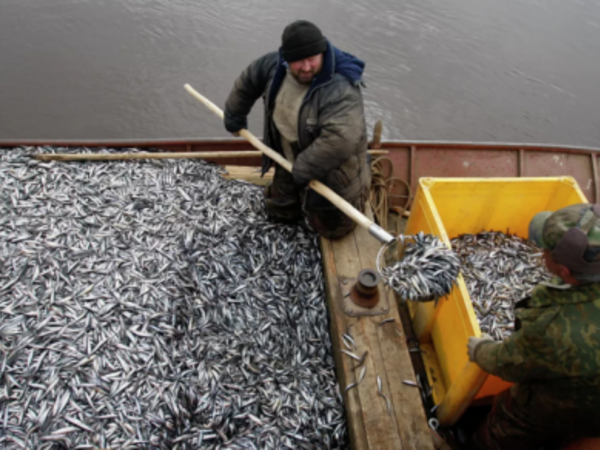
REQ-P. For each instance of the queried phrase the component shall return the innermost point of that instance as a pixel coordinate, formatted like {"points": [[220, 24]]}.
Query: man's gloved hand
{"points": [[474, 342], [234, 123], [299, 180]]}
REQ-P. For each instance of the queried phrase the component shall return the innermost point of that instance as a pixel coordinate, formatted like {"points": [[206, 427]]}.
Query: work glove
{"points": [[474, 342], [234, 123], [299, 180]]}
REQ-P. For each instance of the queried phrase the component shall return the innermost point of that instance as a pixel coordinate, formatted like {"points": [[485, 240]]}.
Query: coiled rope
{"points": [[381, 195]]}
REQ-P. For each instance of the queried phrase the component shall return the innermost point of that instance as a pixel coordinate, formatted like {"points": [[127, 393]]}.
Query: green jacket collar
{"points": [[557, 292]]}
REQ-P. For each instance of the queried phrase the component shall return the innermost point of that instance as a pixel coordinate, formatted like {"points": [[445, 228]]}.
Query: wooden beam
{"points": [[595, 177], [143, 155], [250, 174], [521, 164], [159, 155], [338, 326]]}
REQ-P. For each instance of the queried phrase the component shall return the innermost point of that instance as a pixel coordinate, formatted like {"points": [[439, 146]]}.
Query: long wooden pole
{"points": [[319, 187], [143, 155], [157, 155]]}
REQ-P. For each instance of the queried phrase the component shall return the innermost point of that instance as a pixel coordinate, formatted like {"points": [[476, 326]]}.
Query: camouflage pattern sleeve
{"points": [[526, 354], [501, 359], [558, 338]]}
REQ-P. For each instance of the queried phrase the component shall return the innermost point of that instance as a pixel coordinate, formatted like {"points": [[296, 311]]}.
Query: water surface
{"points": [[513, 70]]}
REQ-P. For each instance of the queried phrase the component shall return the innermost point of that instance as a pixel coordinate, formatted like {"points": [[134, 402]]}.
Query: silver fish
{"points": [[499, 270], [152, 304], [427, 270]]}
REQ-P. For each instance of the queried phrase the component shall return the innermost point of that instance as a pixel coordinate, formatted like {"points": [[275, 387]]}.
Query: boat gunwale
{"points": [[132, 142]]}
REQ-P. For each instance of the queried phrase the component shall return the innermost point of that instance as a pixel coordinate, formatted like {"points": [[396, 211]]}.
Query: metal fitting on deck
{"points": [[365, 292]]}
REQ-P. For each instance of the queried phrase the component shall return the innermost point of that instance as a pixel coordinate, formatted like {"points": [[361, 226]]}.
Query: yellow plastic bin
{"points": [[450, 207]]}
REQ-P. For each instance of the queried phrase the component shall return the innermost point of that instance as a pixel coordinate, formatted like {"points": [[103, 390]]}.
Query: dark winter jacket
{"points": [[332, 134]]}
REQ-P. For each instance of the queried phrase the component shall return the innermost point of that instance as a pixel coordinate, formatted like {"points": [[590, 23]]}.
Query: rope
{"points": [[382, 183], [427, 268]]}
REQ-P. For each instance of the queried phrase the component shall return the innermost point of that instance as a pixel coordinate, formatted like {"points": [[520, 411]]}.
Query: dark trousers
{"points": [[287, 203], [521, 419]]}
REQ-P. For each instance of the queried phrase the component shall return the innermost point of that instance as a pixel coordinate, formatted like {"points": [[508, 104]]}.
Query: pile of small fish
{"points": [[499, 270], [427, 271], [150, 304]]}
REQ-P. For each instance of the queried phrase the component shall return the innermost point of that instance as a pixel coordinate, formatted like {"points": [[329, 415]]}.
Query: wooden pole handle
{"points": [[319, 187], [226, 154], [144, 155], [245, 133]]}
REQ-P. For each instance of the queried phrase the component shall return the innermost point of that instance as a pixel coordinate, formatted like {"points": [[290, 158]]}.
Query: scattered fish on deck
{"points": [[382, 395], [360, 378]]}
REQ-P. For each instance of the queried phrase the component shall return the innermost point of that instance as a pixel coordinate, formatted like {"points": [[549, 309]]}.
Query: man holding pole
{"points": [[314, 117]]}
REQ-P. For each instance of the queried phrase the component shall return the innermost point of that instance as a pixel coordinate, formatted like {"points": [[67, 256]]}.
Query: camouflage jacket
{"points": [[556, 345]]}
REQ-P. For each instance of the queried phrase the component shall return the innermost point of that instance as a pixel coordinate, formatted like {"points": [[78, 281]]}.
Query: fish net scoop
{"points": [[427, 268]]}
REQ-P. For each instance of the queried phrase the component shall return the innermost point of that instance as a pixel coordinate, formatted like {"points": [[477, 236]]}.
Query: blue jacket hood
{"points": [[348, 65], [334, 61]]}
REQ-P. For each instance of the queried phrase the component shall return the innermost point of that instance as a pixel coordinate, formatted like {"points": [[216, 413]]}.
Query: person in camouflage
{"points": [[314, 116], [554, 354]]}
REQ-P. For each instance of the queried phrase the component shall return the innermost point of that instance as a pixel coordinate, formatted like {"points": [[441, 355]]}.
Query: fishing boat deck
{"points": [[370, 424]]}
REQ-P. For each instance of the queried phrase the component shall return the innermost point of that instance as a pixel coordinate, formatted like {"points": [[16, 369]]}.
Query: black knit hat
{"points": [[302, 39]]}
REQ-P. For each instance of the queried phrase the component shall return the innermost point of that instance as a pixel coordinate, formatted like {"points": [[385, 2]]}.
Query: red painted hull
{"points": [[414, 159]]}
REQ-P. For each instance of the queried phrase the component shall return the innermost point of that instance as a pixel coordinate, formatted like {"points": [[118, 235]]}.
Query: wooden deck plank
{"points": [[248, 173], [338, 325], [381, 423], [370, 425], [381, 432], [409, 413]]}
